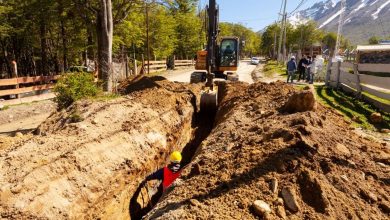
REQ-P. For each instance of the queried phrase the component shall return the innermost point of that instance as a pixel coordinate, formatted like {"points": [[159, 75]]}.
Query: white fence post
{"points": [[338, 74], [328, 72], [358, 86]]}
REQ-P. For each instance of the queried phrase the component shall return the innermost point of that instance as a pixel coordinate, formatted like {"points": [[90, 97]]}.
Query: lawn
{"points": [[272, 68], [353, 109]]}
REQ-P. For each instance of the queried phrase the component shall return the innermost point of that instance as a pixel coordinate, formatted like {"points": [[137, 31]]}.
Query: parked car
{"points": [[255, 61]]}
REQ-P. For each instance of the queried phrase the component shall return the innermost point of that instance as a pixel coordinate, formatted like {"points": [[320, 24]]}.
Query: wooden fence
{"points": [[157, 66], [370, 82], [46, 82], [20, 85]]}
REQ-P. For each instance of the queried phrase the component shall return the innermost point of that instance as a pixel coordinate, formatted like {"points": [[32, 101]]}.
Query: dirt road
{"points": [[244, 71]]}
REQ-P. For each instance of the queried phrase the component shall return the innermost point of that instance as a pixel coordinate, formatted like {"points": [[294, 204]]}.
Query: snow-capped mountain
{"points": [[362, 19]]}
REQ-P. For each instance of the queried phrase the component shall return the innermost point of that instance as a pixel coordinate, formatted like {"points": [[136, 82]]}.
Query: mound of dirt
{"points": [[86, 161], [304, 165]]}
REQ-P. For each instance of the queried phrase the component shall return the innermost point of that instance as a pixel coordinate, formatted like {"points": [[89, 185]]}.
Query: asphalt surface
{"points": [[244, 71]]}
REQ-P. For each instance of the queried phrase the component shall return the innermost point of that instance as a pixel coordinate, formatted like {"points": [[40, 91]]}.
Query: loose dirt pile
{"points": [[87, 161], [303, 165]]}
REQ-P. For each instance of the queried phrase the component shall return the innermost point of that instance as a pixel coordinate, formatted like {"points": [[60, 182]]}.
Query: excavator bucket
{"points": [[209, 101]]}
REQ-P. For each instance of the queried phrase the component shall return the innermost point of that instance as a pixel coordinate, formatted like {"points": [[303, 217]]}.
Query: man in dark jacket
{"points": [[291, 69], [302, 68], [308, 68]]}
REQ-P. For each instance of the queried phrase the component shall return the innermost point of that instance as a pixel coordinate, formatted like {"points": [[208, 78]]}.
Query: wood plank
{"points": [[348, 78], [23, 80], [155, 62], [333, 84], [8, 82], [375, 92], [383, 82], [333, 77], [348, 89], [377, 68], [157, 66], [26, 89], [347, 65]]}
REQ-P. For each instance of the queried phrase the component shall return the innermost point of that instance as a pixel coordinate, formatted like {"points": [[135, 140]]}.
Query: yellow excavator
{"points": [[220, 59]]}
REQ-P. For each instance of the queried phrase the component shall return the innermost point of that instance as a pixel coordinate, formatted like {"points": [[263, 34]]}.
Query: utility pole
{"points": [[281, 32], [275, 42], [285, 38], [147, 35], [340, 29]]}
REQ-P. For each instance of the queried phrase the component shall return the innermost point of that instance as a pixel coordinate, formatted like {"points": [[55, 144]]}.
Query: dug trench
{"points": [[87, 161], [146, 196], [303, 163], [274, 153]]}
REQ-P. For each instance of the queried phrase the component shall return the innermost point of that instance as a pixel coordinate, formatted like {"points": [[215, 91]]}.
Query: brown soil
{"points": [[328, 171], [86, 161], [24, 117]]}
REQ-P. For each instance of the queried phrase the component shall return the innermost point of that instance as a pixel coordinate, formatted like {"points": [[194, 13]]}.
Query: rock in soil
{"points": [[274, 185], [290, 199], [281, 212], [19, 134], [261, 208], [341, 149], [300, 102], [376, 118]]}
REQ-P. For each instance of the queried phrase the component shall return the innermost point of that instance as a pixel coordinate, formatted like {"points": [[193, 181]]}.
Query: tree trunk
{"points": [[64, 40], [104, 26], [44, 64], [90, 52]]}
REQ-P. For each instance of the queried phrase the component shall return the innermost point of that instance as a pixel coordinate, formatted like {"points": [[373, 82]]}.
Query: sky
{"points": [[255, 14]]}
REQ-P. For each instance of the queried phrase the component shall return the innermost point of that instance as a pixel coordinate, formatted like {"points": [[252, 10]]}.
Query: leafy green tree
{"points": [[250, 41], [162, 31], [268, 40], [374, 40], [329, 41]]}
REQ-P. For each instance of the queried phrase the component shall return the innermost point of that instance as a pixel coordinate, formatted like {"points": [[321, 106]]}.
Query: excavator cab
{"points": [[227, 61], [228, 58]]}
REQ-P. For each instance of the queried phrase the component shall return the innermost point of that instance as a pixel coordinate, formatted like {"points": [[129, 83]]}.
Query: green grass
{"points": [[385, 101], [4, 108], [272, 68], [351, 108]]}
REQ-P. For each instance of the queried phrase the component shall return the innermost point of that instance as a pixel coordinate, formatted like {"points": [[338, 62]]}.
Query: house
{"points": [[373, 54]]}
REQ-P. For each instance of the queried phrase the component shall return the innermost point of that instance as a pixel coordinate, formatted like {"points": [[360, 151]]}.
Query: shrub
{"points": [[75, 86]]}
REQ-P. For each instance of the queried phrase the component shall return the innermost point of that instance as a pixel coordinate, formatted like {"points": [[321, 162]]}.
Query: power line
{"points": [[299, 6]]}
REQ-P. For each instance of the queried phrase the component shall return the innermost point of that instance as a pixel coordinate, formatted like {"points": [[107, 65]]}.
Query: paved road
{"points": [[244, 71]]}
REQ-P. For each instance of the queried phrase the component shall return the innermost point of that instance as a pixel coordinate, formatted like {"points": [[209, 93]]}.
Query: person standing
{"points": [[316, 67], [291, 69], [313, 70], [302, 68], [308, 68]]}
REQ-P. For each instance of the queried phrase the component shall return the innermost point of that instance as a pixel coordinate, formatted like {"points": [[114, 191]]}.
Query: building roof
{"points": [[369, 48]]}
